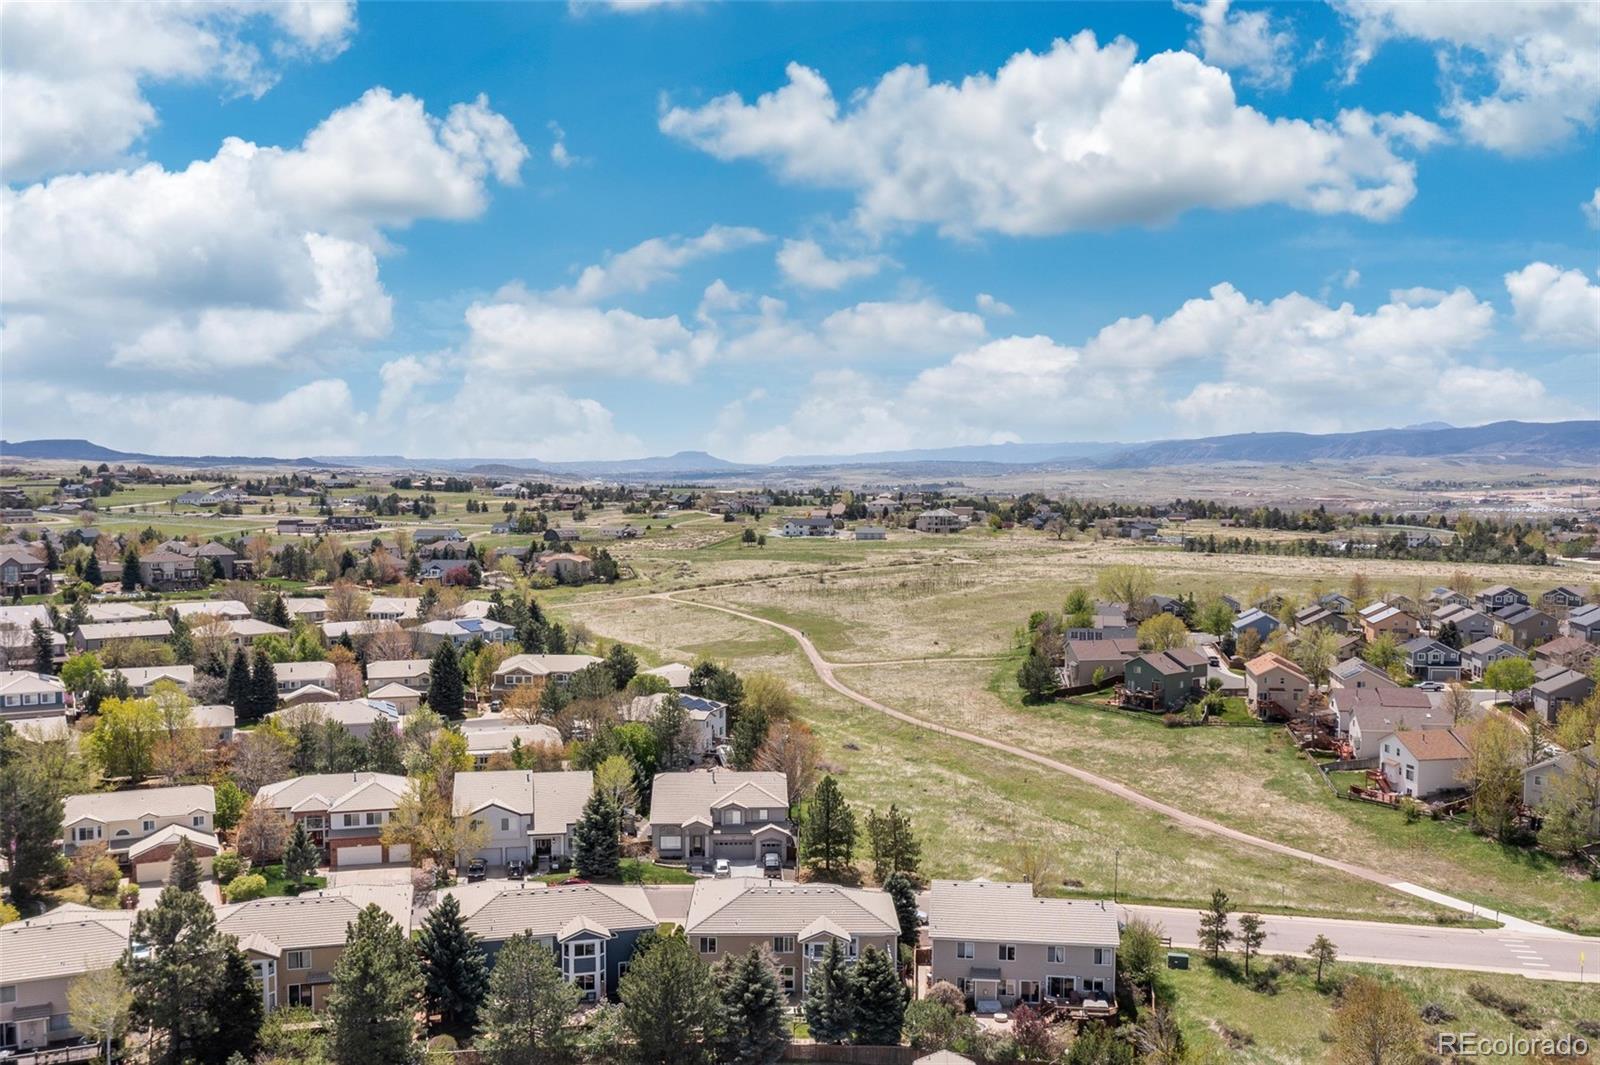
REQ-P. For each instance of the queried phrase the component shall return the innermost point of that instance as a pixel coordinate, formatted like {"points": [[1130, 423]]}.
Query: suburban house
{"points": [[1275, 686], [1557, 688], [870, 532], [1424, 762], [22, 572], [1003, 946], [1429, 659], [1372, 713], [1584, 622], [1564, 597], [676, 674], [1166, 680], [358, 631], [1107, 621], [590, 928], [1526, 626], [793, 922], [941, 520], [357, 716], [1258, 621], [393, 608], [24, 694], [1539, 778], [96, 636], [1479, 656], [430, 635], [344, 812], [1389, 620], [1569, 651], [565, 567], [150, 859], [120, 819], [119, 612], [403, 698], [519, 670], [708, 719], [16, 634], [215, 721], [412, 672], [704, 814], [294, 675], [1085, 660], [165, 570], [39, 960], [293, 943], [434, 536], [226, 609], [558, 799], [491, 734], [799, 527], [1355, 673], [501, 802], [1441, 596], [1318, 616], [1498, 596], [440, 569], [306, 608], [1473, 625]]}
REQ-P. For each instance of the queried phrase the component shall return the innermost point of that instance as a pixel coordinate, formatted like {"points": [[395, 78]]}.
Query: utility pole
{"points": [[1116, 874]]}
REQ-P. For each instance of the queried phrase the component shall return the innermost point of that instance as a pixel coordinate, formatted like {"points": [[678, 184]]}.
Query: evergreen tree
{"points": [[455, 973], [238, 689], [181, 640], [279, 614], [880, 999], [130, 570], [1252, 934], [263, 687], [446, 686], [185, 867], [622, 664], [893, 846], [828, 839], [753, 1008], [300, 855], [674, 740], [1214, 931], [1037, 677], [91, 571], [830, 997], [597, 839], [526, 1018], [377, 991], [384, 748], [899, 888], [235, 1002], [749, 733], [669, 1003], [30, 819], [44, 655]]}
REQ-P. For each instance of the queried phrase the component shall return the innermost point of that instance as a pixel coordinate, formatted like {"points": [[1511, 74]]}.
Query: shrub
{"points": [[128, 896], [949, 996], [226, 865], [1434, 1013], [1515, 1009], [246, 887], [929, 1026]]}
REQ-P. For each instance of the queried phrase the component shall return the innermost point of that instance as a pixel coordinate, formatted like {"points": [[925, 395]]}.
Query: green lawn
{"points": [[634, 871], [277, 885]]}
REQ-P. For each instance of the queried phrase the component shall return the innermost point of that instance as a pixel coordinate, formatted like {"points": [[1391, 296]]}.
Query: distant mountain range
{"points": [[1555, 443]]}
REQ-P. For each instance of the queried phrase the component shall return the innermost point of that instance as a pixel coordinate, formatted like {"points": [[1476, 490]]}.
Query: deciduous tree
{"points": [[1376, 1025], [1163, 632]]}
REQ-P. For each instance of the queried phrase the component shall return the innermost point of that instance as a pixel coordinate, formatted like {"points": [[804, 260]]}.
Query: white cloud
{"points": [[72, 74], [1081, 137], [1249, 41], [579, 8], [252, 258], [988, 305], [652, 261], [804, 263], [1556, 306], [1542, 58], [718, 299], [1352, 278], [898, 329], [559, 153], [1591, 209]]}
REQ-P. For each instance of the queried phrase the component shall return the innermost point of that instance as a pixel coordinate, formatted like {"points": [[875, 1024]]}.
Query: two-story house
{"points": [[1422, 763], [1095, 661], [1563, 598], [705, 814], [120, 819], [1526, 626], [357, 716], [22, 571], [24, 694], [428, 636], [795, 923], [1429, 659], [491, 734], [344, 813], [800, 527], [40, 959], [164, 570], [591, 929], [1584, 623], [1381, 619], [1497, 597], [1540, 778], [1558, 688], [16, 634], [1373, 713], [708, 719], [940, 520], [520, 670], [1003, 946], [500, 802], [1166, 679], [225, 609], [1479, 656], [401, 608], [1471, 625], [292, 676], [1275, 686], [558, 801], [412, 672], [1257, 621], [1355, 673]]}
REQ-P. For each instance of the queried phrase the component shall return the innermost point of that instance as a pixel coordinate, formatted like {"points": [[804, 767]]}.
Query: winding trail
{"points": [[825, 672]]}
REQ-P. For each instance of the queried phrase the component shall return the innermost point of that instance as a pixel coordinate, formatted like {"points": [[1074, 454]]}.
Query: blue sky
{"points": [[567, 232]]}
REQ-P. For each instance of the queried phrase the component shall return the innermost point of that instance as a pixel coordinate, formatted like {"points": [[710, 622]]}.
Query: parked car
{"points": [[572, 880], [477, 869], [772, 866], [722, 870], [516, 869], [1430, 686]]}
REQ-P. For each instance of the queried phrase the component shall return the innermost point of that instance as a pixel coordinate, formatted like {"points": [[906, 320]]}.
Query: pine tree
{"points": [[893, 845], [1252, 934], [238, 689], [44, 655], [91, 571], [899, 888], [669, 1003], [235, 1002], [377, 992], [597, 839], [263, 687], [30, 819], [880, 1000], [753, 1008], [300, 855], [446, 686], [622, 664], [455, 973], [384, 748], [526, 1018], [185, 867], [130, 570], [829, 836], [279, 614], [830, 997], [1214, 931], [1037, 677]]}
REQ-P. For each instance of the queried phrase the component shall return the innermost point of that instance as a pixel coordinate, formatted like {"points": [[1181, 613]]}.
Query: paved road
{"points": [[1494, 950], [825, 672]]}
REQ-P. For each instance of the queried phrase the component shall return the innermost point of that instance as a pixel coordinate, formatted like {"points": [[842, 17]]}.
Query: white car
{"points": [[721, 869]]}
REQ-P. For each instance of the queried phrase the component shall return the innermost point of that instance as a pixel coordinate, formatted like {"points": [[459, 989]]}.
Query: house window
{"points": [[505, 824], [60, 1022], [149, 826], [581, 950], [375, 817], [783, 944], [85, 833], [352, 820], [670, 843], [585, 983], [786, 978], [1100, 955], [8, 992], [198, 820], [758, 815], [1094, 985], [300, 995], [1056, 955], [297, 959], [966, 949], [1411, 772], [733, 817], [1007, 952], [708, 944]]}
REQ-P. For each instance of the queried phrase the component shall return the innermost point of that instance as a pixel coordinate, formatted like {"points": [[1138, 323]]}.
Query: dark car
{"points": [[516, 869], [477, 869], [571, 880], [772, 866]]}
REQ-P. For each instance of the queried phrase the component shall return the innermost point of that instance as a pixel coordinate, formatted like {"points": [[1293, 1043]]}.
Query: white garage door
{"points": [[349, 856], [491, 855], [154, 872], [400, 852], [515, 853]]}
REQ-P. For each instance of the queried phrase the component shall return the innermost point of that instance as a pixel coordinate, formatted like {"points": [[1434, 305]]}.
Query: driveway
{"points": [[373, 874]]}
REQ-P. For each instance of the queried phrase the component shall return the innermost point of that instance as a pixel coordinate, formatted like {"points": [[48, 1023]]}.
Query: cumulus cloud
{"points": [[874, 331], [72, 75], [1252, 42], [1556, 306], [652, 261], [251, 258], [1518, 78], [1080, 137], [992, 307], [804, 263]]}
